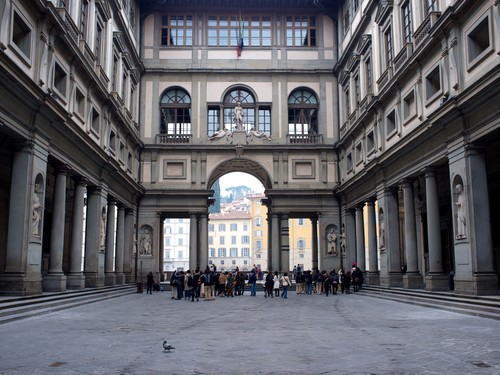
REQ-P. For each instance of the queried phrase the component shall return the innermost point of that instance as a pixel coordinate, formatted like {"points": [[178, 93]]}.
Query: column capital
{"points": [[407, 182], [359, 206]]}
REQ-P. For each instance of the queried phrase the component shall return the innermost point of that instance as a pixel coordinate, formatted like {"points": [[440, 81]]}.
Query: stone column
{"points": [[360, 239], [392, 255], [203, 241], [94, 251], [482, 279], [350, 241], [373, 275], [128, 246], [285, 244], [55, 280], [75, 278], [109, 254], [193, 241], [412, 278], [275, 238], [314, 247], [23, 257], [435, 280], [120, 241]]}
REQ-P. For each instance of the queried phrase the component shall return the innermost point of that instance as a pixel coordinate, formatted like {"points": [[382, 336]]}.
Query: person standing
{"points": [[276, 285], [285, 282], [252, 281], [150, 282]]}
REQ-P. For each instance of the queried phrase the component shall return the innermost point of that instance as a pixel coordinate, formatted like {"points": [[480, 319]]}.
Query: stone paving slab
{"points": [[342, 334]]}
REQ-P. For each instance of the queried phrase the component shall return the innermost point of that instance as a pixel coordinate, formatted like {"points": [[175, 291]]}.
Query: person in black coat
{"points": [[150, 282]]}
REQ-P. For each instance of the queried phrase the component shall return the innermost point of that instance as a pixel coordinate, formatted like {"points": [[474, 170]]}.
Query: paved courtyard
{"points": [[343, 334]]}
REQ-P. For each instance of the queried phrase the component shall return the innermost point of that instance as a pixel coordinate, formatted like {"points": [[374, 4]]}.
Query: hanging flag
{"points": [[240, 37]]}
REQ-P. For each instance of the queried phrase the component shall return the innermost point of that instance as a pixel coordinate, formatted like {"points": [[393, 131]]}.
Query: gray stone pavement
{"points": [[342, 334]]}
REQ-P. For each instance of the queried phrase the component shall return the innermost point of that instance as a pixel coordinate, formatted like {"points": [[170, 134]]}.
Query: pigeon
{"points": [[166, 347]]}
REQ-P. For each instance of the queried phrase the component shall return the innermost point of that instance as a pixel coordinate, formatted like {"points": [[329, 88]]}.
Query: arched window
{"points": [[175, 112], [256, 116], [302, 113]]}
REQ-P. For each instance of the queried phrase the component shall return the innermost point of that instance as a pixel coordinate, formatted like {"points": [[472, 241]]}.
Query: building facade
{"points": [[377, 121], [419, 131]]}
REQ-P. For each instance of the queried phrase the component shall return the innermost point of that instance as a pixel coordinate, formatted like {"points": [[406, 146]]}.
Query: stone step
{"points": [[483, 306], [16, 308]]}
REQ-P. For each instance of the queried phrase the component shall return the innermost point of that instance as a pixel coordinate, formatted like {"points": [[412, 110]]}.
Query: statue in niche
{"points": [[238, 116], [332, 242], [145, 243], [37, 213], [381, 228], [461, 212], [103, 230], [342, 240]]}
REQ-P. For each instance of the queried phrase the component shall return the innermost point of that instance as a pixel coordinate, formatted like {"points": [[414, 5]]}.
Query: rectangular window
{"points": [[258, 245], [359, 153], [369, 79], [129, 162], [300, 221], [245, 252], [265, 120], [407, 24], [21, 35], [233, 251], [79, 107], [388, 47], [479, 41], [222, 227], [301, 244], [211, 227], [179, 254], [233, 240], [223, 31], [213, 120], [83, 18], [60, 79], [98, 42], [222, 252], [245, 239], [347, 101], [210, 240], [258, 233], [409, 106], [390, 123], [177, 31], [221, 240], [370, 142], [211, 252], [95, 124], [433, 84], [301, 31], [258, 221], [114, 74], [233, 227], [349, 162], [357, 91], [180, 242]]}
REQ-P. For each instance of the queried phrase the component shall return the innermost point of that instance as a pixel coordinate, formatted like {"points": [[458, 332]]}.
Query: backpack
{"points": [[190, 281]]}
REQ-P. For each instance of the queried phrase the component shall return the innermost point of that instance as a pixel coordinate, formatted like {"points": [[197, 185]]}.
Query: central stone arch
{"points": [[241, 165]]}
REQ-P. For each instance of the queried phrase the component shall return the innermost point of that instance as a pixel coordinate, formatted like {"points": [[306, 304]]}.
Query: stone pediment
{"points": [[383, 11]]}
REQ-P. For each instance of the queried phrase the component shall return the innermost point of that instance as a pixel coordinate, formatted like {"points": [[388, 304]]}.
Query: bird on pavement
{"points": [[166, 347]]}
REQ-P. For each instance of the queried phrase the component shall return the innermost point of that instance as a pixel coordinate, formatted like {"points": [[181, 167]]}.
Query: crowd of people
{"points": [[209, 283]]}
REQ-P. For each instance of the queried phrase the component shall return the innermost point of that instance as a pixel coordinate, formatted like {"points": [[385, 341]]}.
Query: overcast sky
{"points": [[237, 179]]}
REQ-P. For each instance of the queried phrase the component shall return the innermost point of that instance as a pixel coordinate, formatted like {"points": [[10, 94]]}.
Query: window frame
{"points": [[472, 63]]}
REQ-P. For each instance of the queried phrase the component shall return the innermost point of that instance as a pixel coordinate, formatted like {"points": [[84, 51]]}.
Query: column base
{"points": [[480, 285], [54, 282], [437, 282], [413, 281], [93, 280], [393, 280], [75, 281], [19, 285], [110, 278], [372, 278], [119, 279], [130, 278]]}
